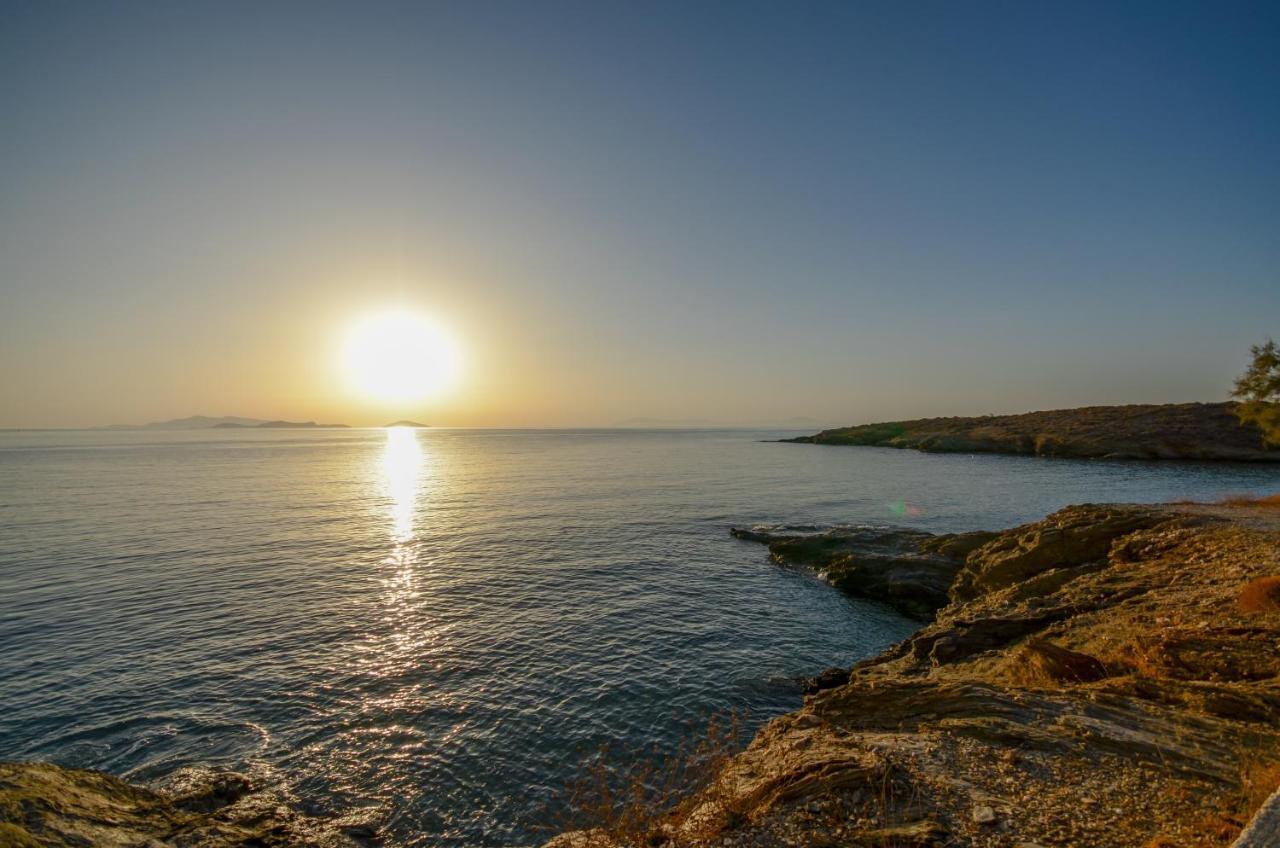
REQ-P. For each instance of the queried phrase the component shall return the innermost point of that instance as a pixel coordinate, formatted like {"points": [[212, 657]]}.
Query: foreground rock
{"points": [[1201, 431], [1107, 676], [46, 806]]}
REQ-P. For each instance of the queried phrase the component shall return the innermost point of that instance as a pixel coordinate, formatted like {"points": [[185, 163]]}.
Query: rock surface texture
{"points": [[45, 806], [1206, 431], [1094, 680]]}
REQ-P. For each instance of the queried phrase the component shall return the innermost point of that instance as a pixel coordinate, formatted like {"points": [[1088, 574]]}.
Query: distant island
{"points": [[404, 422], [1189, 431], [222, 422]]}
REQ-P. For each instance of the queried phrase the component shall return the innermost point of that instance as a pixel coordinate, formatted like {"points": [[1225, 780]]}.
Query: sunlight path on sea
{"points": [[403, 463], [430, 628]]}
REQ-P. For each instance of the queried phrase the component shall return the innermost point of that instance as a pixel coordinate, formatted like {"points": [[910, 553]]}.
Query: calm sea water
{"points": [[439, 622]]}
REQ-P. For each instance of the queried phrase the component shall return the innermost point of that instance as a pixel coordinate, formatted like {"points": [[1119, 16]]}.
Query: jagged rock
{"points": [[582, 839], [200, 791], [829, 679], [1074, 536], [48, 806], [957, 545], [962, 639], [909, 570], [984, 815]]}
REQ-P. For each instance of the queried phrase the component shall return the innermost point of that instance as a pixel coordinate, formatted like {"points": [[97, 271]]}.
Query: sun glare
{"points": [[400, 356]]}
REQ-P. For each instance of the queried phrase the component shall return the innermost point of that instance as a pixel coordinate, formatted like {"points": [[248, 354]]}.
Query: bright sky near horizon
{"points": [[733, 212]]}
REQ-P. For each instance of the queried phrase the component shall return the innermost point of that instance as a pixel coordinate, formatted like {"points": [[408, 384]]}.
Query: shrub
{"points": [[1260, 595], [1258, 390]]}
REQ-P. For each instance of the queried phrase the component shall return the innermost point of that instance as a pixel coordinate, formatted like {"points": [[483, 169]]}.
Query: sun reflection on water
{"points": [[403, 466], [401, 470]]}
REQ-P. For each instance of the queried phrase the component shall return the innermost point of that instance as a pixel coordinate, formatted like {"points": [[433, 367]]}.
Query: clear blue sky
{"points": [[738, 212]]}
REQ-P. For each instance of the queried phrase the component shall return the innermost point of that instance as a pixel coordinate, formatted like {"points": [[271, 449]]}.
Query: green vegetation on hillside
{"points": [[1202, 431]]}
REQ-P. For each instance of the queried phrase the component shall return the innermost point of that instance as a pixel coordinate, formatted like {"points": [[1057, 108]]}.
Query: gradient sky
{"points": [[736, 212]]}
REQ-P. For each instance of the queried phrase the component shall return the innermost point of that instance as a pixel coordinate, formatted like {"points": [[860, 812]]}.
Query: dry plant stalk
{"points": [[653, 798]]}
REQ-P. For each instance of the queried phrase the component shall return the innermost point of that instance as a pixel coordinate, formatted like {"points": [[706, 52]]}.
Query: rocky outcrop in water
{"points": [[1200, 431], [1107, 676], [46, 806], [910, 570]]}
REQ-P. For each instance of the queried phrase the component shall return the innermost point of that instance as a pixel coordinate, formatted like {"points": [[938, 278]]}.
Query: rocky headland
{"points": [[1198, 431], [1108, 676]]}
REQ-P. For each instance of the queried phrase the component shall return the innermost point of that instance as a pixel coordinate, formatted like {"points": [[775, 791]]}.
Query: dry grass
{"points": [[1217, 828], [645, 804], [1258, 780], [1260, 595], [1143, 655]]}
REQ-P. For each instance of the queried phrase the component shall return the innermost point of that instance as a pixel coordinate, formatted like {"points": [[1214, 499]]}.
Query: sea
{"points": [[444, 627]]}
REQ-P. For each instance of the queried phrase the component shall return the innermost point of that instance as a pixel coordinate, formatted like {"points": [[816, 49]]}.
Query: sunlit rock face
{"points": [[1105, 677]]}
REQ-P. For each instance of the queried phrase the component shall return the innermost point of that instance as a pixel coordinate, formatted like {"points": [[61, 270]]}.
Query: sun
{"points": [[398, 356]]}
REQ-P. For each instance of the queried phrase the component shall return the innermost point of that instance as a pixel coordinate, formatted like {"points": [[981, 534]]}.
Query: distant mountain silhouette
{"points": [[406, 423], [223, 422], [192, 422], [277, 425]]}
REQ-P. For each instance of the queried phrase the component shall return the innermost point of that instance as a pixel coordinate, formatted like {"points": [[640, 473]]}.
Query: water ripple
{"points": [[439, 623]]}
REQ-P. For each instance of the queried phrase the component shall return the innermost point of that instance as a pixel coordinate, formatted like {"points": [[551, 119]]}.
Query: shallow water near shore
{"points": [[439, 622]]}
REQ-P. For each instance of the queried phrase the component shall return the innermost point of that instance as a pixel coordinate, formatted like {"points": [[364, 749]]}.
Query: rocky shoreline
{"points": [[1185, 431], [1109, 675], [47, 806]]}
